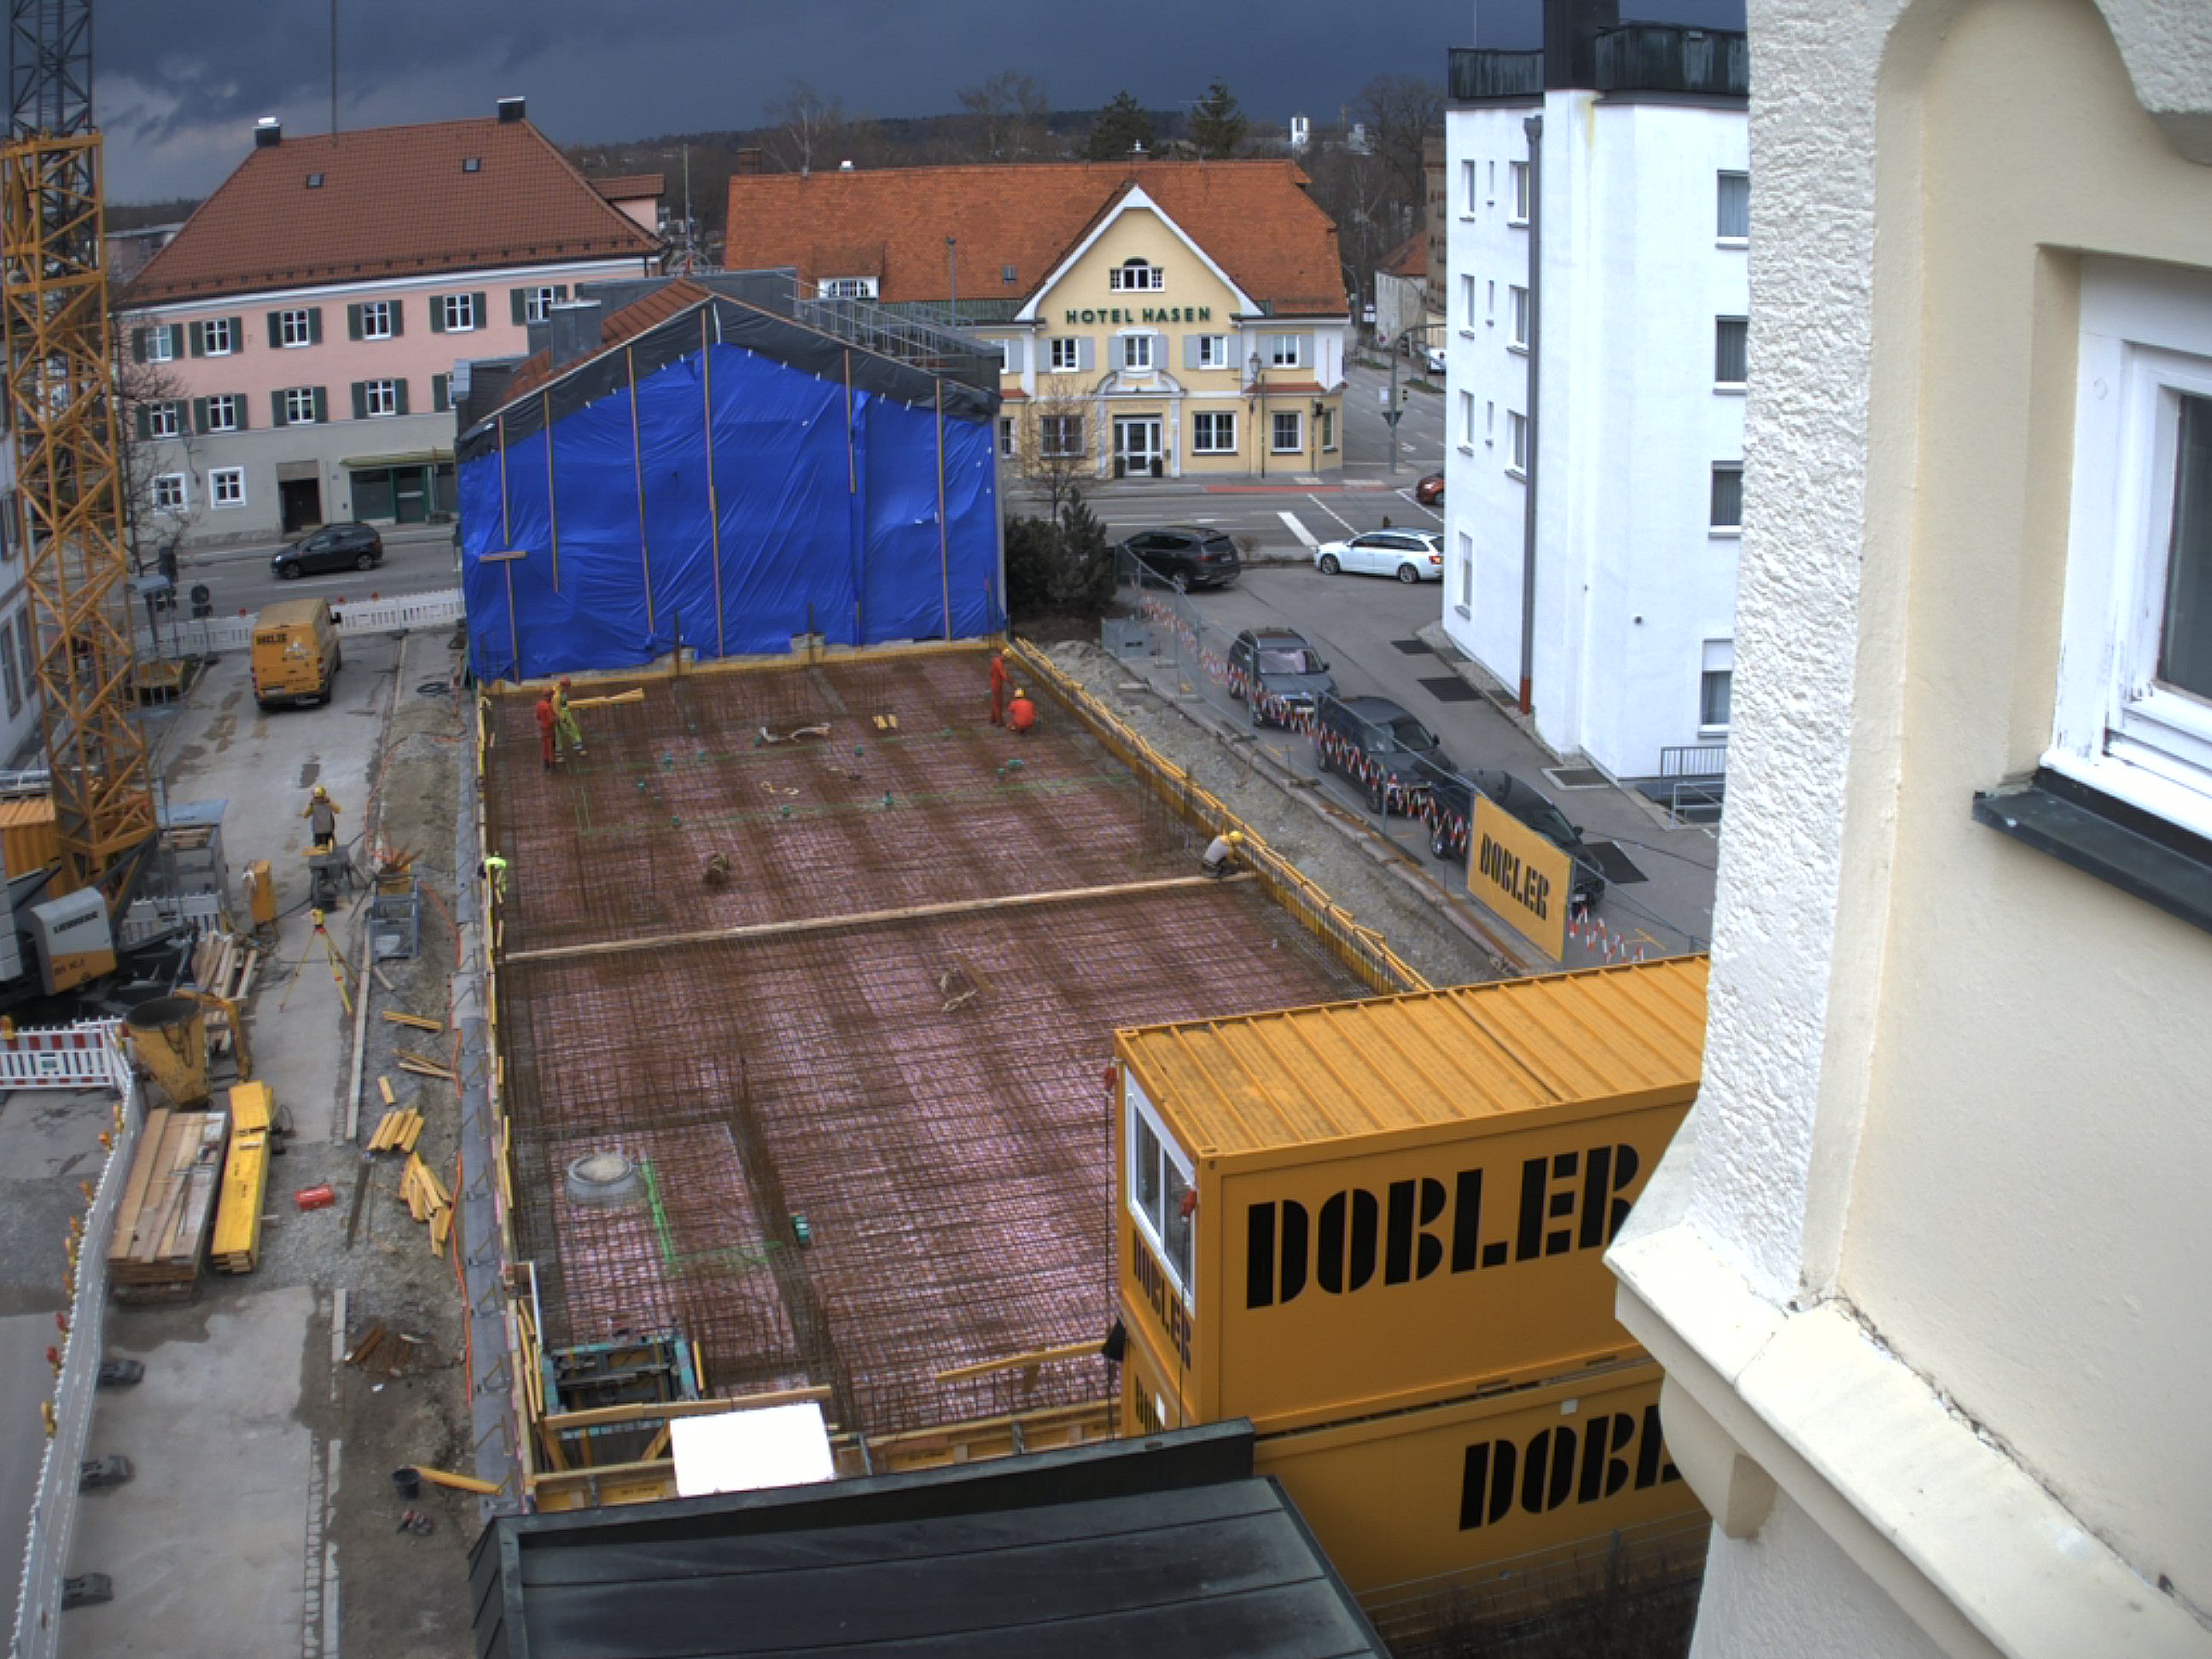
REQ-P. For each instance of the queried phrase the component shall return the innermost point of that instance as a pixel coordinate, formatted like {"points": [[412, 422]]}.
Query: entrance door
{"points": [[410, 498], [301, 500], [1138, 449]]}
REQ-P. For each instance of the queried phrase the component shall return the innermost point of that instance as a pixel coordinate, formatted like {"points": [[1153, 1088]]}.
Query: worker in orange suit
{"points": [[1022, 714], [549, 721], [998, 679]]}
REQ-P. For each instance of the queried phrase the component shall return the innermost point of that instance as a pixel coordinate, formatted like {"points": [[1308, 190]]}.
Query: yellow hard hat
{"points": [[321, 792], [1235, 838]]}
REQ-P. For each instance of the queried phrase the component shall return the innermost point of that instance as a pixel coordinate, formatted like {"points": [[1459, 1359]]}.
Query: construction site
{"points": [[807, 978]]}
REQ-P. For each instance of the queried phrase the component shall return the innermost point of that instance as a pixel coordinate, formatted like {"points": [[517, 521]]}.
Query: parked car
{"points": [[1411, 556], [1282, 665], [1187, 555], [334, 547], [1525, 802], [1402, 754], [1430, 491], [1433, 359]]}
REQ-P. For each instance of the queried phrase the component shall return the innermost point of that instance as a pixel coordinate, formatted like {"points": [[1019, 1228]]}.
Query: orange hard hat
{"points": [[564, 682]]}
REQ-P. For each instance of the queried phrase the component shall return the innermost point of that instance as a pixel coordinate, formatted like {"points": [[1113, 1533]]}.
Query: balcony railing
{"points": [[1479, 72], [1664, 58]]}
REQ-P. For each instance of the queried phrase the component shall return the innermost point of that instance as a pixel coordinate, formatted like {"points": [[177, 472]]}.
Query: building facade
{"points": [[1402, 293], [1158, 320], [1926, 1267], [288, 354], [1595, 346], [1435, 224]]}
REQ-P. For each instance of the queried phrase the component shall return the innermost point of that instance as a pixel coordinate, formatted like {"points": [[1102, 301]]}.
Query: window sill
{"points": [[1725, 533], [1732, 241], [1728, 389], [2103, 836], [1467, 449], [1462, 613], [1516, 224], [1517, 472], [1518, 348]]}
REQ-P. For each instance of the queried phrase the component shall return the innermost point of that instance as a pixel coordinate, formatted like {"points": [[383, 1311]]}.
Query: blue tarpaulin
{"points": [[600, 529]]}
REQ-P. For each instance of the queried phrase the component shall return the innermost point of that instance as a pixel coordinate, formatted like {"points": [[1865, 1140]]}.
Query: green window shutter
{"points": [[561, 290], [437, 314], [314, 326], [196, 339], [277, 409], [353, 322], [322, 406], [138, 345], [515, 301], [399, 393], [238, 334], [199, 409], [441, 397], [145, 425], [479, 312], [398, 319], [276, 330], [238, 403], [361, 400]]}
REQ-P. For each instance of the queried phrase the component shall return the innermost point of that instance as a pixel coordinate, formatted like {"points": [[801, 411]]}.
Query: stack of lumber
{"points": [[167, 1203], [225, 965], [397, 1131], [237, 1245], [427, 1201]]}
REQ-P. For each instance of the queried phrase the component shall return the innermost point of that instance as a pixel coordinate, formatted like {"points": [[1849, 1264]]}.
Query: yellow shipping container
{"points": [[30, 838], [1332, 1213]]}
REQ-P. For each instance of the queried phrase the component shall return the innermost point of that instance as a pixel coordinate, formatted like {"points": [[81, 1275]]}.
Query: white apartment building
{"points": [[1926, 1267], [1597, 359]]}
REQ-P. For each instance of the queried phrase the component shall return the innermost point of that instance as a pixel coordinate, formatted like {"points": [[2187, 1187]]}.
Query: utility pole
{"points": [[334, 67]]}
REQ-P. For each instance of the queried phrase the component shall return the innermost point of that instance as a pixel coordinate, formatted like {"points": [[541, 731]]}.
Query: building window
{"points": [[1518, 338], [1520, 171], [295, 328], [1137, 352], [227, 486], [1325, 429], [1213, 432], [457, 312], [303, 405], [1734, 224], [1010, 356], [169, 492], [1286, 350], [1713, 686], [8, 672], [848, 288], [163, 420], [1467, 184], [379, 398], [1516, 432], [1467, 420], [1289, 432], [161, 343], [217, 338], [538, 304], [1731, 348], [1135, 273], [27, 646], [1728, 496], [441, 393], [1063, 435], [1490, 423], [1212, 351], [1160, 1187], [377, 319], [1066, 353], [1466, 574], [1466, 293], [222, 411], [1006, 436]]}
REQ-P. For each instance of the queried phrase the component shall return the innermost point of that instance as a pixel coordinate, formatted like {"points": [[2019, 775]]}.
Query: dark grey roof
{"points": [[1162, 1548]]}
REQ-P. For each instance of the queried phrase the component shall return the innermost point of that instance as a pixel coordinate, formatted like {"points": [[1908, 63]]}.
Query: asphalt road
{"points": [[417, 559]]}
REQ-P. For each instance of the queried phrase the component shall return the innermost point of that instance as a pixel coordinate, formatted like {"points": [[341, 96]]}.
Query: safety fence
{"points": [[79, 1056], [203, 637], [83, 1334]]}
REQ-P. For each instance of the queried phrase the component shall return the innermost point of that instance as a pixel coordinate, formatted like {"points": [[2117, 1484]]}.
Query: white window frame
{"points": [[1204, 419], [1468, 189], [161, 343], [177, 483], [1721, 238], [226, 487], [1140, 1115], [1134, 346], [1467, 290], [1718, 660], [295, 327], [1516, 451], [1287, 351], [207, 337], [370, 398], [1466, 422], [1137, 274], [1056, 425], [1325, 430], [1465, 606], [375, 313], [1275, 419], [459, 312], [1213, 351], [1006, 437], [1714, 526], [1066, 354], [299, 406], [848, 288], [1516, 335], [229, 402], [538, 302], [1518, 215], [165, 419], [2146, 342]]}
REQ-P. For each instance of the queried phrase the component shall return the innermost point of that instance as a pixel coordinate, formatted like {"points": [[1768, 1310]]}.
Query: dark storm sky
{"points": [[177, 87]]}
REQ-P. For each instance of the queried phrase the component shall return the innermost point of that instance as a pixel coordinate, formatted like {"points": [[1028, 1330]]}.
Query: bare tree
{"points": [[1357, 191], [1057, 450], [1401, 111], [809, 126], [1009, 109]]}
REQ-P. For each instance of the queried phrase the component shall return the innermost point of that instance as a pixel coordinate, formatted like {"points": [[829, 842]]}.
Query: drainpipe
{"points": [[1534, 126]]}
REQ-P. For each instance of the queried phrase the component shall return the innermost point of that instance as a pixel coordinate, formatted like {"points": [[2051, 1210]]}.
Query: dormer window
{"points": [[472, 164], [848, 288], [1136, 273]]}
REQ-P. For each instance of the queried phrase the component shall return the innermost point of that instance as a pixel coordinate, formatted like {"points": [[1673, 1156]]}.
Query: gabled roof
{"points": [[392, 201], [1410, 257], [633, 319], [631, 187], [1253, 218]]}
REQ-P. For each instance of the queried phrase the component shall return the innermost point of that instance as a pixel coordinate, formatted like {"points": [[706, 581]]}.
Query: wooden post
{"points": [[505, 524], [506, 562], [713, 502], [943, 534], [637, 460], [552, 508], [852, 456]]}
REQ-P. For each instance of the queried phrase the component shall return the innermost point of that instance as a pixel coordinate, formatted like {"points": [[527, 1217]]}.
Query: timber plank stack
{"points": [[225, 965], [237, 1245], [168, 1204]]}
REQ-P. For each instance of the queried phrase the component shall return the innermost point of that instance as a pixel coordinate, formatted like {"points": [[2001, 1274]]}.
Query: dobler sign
{"points": [[1520, 875]]}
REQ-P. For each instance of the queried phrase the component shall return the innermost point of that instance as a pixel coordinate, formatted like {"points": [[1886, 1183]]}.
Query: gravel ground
{"points": [[1378, 884]]}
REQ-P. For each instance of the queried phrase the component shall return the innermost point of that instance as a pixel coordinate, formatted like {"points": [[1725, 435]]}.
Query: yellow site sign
{"points": [[1520, 875]]}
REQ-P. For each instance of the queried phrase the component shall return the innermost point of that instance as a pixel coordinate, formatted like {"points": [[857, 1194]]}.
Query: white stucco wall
{"points": [[1790, 1591]]}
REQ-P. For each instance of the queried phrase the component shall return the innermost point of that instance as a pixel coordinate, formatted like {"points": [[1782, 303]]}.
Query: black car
{"points": [[1383, 749], [1186, 555], [1281, 666], [334, 547], [1448, 826]]}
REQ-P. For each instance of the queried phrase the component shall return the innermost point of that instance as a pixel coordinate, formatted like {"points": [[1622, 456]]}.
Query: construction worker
{"points": [[321, 813], [547, 718], [1220, 855], [998, 680], [572, 732], [494, 870], [1021, 715]]}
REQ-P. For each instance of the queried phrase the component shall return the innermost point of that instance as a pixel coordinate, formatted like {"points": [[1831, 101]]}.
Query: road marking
{"points": [[1334, 514], [1421, 506], [1298, 528]]}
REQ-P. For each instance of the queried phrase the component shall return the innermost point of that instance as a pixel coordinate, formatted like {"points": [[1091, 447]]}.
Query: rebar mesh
{"points": [[926, 1093]]}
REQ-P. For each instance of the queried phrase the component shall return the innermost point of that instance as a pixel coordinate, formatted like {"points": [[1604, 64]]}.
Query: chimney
{"points": [[1570, 31], [268, 133], [510, 109], [575, 330], [748, 161]]}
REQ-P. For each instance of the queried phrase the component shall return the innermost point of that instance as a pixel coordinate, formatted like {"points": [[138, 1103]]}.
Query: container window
{"points": [[1147, 1171], [1175, 1233], [1160, 1192]]}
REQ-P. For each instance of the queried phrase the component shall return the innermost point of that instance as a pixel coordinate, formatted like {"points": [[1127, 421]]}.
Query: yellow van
{"points": [[297, 655]]}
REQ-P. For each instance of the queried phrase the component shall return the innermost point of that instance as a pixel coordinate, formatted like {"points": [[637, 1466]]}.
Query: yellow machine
{"points": [[260, 895], [297, 654]]}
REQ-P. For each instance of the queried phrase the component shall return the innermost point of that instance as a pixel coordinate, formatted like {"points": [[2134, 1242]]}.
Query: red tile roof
{"points": [[1253, 219], [393, 202], [632, 320], [630, 186], [1411, 257]]}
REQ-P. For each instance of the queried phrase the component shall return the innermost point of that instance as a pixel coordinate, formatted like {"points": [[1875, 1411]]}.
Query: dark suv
{"points": [[1449, 826], [1385, 750], [334, 547], [1276, 674], [1187, 555]]}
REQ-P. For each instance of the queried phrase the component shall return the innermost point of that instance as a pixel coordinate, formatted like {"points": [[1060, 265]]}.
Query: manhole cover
{"points": [[1575, 777], [1451, 688], [604, 1180]]}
